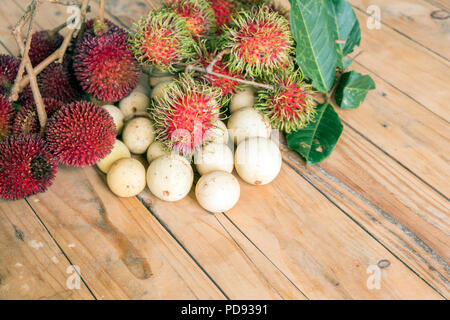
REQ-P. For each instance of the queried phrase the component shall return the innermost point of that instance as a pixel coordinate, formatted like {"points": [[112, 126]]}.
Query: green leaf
{"points": [[316, 141], [313, 30], [352, 89], [347, 28]]}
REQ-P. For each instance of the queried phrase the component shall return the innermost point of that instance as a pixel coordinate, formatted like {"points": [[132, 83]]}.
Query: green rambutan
{"points": [[260, 42], [6, 117], [27, 120], [162, 41], [57, 82], [81, 133], [43, 43], [224, 11], [104, 65], [186, 111], [27, 166], [290, 106], [197, 14]]}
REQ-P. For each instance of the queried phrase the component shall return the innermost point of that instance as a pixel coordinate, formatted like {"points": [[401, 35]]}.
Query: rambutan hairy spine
{"points": [[260, 42], [187, 110], [27, 166], [162, 41], [290, 106]]}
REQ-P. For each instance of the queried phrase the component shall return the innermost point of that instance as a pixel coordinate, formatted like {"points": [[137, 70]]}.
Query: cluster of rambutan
{"points": [[233, 43], [79, 133]]}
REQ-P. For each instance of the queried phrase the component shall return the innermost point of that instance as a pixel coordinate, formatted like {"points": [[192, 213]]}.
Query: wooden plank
{"points": [[442, 4], [404, 214], [123, 252], [262, 281], [406, 65], [405, 130], [413, 18], [241, 271], [317, 246], [32, 266]]}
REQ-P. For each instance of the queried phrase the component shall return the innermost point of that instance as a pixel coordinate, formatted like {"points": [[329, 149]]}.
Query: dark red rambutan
{"points": [[227, 86], [6, 117], [43, 43], [290, 106], [162, 40], [260, 41], [9, 66], [56, 82], [104, 64], [224, 11], [81, 133], [27, 166], [185, 113], [27, 120], [197, 14]]}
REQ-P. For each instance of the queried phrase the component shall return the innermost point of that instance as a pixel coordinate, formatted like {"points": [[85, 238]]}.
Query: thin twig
{"points": [[21, 83], [151, 4], [243, 81], [101, 15], [219, 57], [24, 49]]}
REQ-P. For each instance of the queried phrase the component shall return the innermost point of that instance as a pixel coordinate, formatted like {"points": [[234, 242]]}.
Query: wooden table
{"points": [[370, 222]]}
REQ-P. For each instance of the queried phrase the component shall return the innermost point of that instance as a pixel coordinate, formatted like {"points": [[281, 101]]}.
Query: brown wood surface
{"points": [[381, 199]]}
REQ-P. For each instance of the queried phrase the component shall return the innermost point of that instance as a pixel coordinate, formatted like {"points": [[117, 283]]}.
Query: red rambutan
{"points": [[290, 106], [162, 41], [260, 41], [43, 43], [227, 86], [186, 111], [197, 14], [104, 64], [27, 120], [224, 11], [6, 117], [56, 82], [27, 166], [81, 133], [9, 66]]}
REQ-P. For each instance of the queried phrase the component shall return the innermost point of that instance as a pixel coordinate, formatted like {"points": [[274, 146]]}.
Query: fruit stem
{"points": [[243, 81]]}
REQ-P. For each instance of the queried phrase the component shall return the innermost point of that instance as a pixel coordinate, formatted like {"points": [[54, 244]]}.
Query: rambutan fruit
{"points": [[162, 40], [104, 64], [27, 120], [9, 66], [227, 86], [81, 133], [43, 43], [197, 14], [290, 106], [6, 117], [187, 110], [27, 166], [57, 82], [224, 11], [260, 42]]}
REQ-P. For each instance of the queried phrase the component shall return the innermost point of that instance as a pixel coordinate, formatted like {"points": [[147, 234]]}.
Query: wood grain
{"points": [[31, 265], [123, 252], [399, 210], [241, 271], [413, 18], [320, 249], [409, 133]]}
